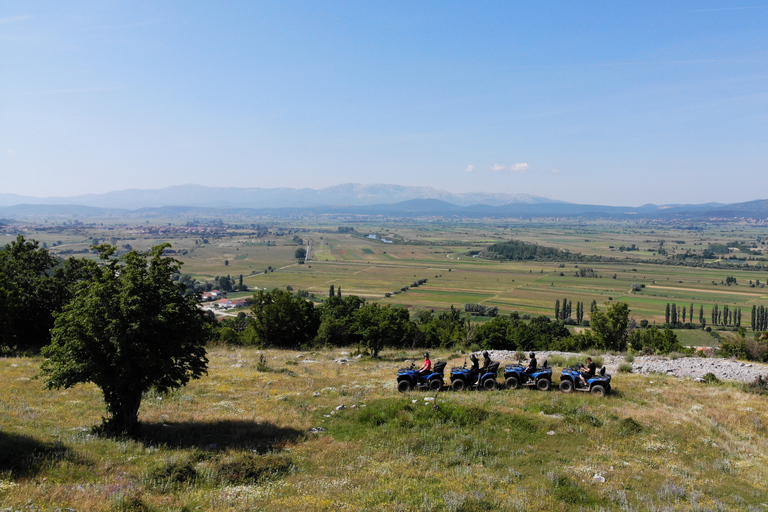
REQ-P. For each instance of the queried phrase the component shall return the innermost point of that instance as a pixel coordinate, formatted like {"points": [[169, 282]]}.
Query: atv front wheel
{"points": [[566, 386], [403, 386], [458, 384], [598, 390], [543, 384]]}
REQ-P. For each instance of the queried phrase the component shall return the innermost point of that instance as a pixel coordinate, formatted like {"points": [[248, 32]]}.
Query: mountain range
{"points": [[351, 199], [350, 194]]}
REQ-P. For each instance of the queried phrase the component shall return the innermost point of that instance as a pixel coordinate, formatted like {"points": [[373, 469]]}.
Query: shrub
{"points": [[629, 426], [758, 386], [173, 472], [711, 378], [251, 468], [625, 368], [556, 360]]}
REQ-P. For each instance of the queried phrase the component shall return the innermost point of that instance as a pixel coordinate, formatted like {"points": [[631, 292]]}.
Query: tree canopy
{"points": [[612, 326], [128, 329], [34, 285]]}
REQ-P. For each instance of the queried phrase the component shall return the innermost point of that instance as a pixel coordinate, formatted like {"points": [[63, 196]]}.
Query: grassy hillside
{"points": [[240, 439]]}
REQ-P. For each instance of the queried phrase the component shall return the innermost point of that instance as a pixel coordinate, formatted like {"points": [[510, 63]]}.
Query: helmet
{"points": [[533, 355], [426, 355], [473, 357], [485, 354]]}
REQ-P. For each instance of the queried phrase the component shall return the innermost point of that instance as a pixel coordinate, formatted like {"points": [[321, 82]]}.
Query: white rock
{"points": [[598, 479], [341, 407]]}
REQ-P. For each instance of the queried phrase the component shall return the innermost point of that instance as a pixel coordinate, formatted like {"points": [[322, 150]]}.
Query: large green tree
{"points": [[128, 329], [382, 326], [284, 320], [611, 327], [33, 286]]}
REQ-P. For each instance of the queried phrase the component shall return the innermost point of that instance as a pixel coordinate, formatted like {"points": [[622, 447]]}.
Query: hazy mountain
{"points": [[199, 202], [350, 194]]}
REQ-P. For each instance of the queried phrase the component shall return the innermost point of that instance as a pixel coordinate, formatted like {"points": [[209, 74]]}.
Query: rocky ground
{"points": [[683, 367]]}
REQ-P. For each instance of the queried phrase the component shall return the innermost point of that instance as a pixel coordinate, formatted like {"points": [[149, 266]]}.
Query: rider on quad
{"points": [[426, 368], [486, 363], [532, 365], [589, 371]]}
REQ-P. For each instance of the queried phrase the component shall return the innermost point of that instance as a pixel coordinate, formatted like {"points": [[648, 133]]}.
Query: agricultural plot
{"points": [[442, 254]]}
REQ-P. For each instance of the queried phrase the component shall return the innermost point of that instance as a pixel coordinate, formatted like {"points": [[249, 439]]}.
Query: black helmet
{"points": [[533, 355], [426, 355], [473, 357], [485, 354]]}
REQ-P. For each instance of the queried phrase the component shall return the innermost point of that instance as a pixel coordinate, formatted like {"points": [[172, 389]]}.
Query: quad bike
{"points": [[570, 380], [410, 378], [463, 378], [515, 377]]}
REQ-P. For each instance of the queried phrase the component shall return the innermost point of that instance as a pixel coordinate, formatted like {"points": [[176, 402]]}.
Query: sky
{"points": [[614, 103]]}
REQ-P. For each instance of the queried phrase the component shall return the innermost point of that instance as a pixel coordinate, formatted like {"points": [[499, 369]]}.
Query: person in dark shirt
{"points": [[474, 370], [532, 365], [589, 372], [486, 363]]}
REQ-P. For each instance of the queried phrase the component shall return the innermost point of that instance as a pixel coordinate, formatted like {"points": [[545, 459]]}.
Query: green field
{"points": [[439, 252]]}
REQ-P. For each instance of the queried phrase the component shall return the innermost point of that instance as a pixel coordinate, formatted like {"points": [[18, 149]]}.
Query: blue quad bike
{"points": [[410, 378], [515, 377], [463, 378], [570, 380]]}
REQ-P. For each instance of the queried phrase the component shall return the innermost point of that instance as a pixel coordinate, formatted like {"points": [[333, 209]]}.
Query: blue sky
{"points": [[617, 103]]}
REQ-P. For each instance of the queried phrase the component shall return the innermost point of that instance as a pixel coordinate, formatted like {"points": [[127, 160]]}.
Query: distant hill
{"points": [[350, 194], [198, 202]]}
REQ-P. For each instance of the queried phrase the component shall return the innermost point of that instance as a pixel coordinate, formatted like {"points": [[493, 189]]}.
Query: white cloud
{"points": [[521, 167], [555, 171], [470, 168]]}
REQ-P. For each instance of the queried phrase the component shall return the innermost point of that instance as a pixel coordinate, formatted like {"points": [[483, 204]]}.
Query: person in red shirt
{"points": [[427, 366]]}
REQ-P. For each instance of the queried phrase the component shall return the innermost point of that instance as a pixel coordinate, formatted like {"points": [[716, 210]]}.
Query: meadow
{"points": [[279, 430]]}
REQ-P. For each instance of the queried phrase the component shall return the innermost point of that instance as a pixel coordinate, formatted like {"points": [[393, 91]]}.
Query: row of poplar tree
{"points": [[564, 311]]}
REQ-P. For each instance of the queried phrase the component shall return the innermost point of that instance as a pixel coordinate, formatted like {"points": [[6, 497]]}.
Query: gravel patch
{"points": [[682, 367]]}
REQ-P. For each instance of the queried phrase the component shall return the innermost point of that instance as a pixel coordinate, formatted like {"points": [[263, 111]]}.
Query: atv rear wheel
{"points": [[489, 384], [403, 386], [513, 383], [566, 386], [543, 384], [598, 390], [435, 384], [458, 384]]}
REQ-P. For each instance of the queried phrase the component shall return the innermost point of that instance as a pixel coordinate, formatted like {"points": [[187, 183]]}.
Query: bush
{"points": [[625, 368], [711, 378], [758, 386], [251, 468], [556, 360], [173, 472], [629, 426]]}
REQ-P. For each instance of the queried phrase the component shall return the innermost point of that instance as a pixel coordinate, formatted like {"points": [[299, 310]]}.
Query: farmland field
{"points": [[442, 253]]}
